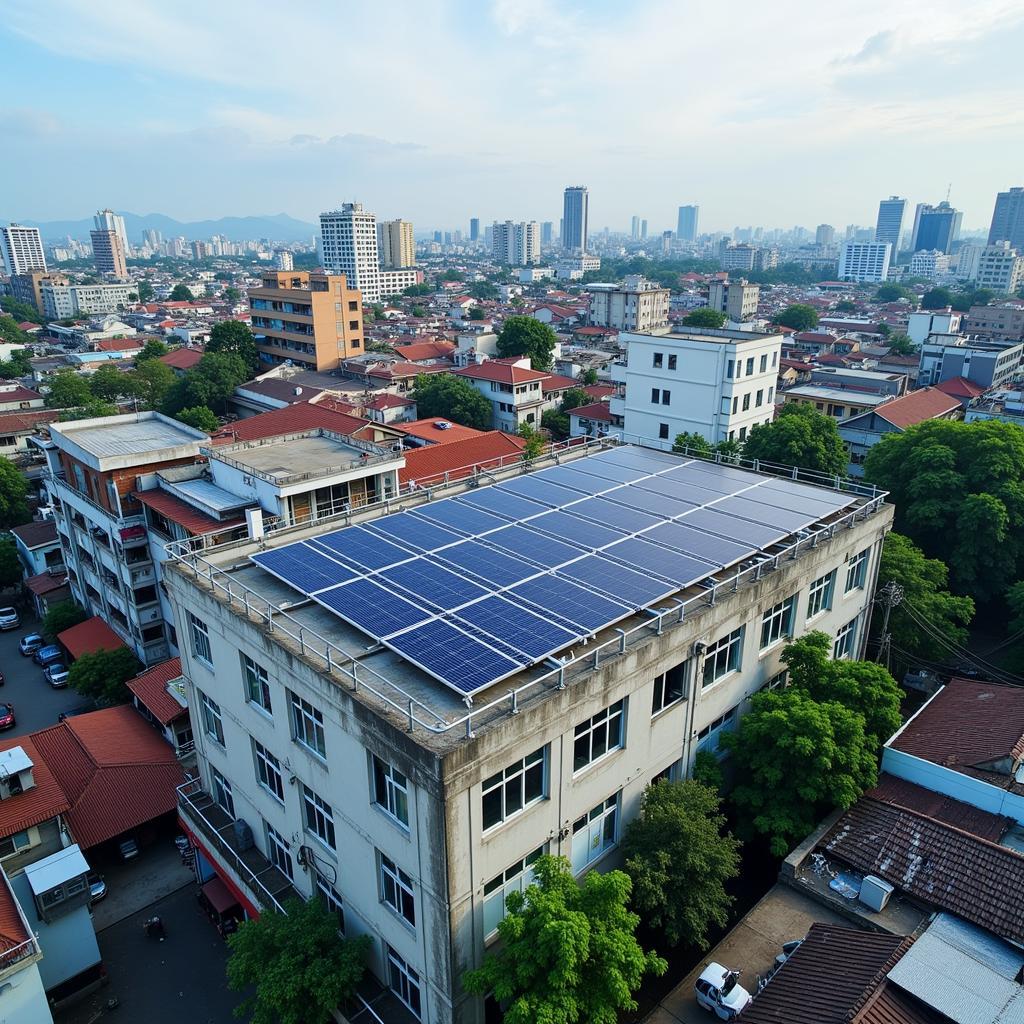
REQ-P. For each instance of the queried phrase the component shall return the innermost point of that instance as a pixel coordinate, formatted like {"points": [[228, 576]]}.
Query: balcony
{"points": [[617, 372], [145, 574]]}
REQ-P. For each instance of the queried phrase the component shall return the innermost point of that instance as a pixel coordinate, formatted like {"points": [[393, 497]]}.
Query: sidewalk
{"points": [[133, 886]]}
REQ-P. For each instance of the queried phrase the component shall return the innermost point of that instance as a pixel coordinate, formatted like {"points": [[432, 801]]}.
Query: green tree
{"points": [[588, 378], [232, 294], [60, 616], [101, 674], [211, 382], [679, 857], [925, 596], [900, 344], [419, 289], [707, 770], [153, 349], [556, 423], [150, 381], [181, 293], [447, 396], [845, 306], [67, 390], [936, 298], [958, 489], [524, 336], [534, 446], [199, 417], [484, 291], [108, 383], [418, 311], [11, 569], [706, 317], [573, 399], [232, 337], [689, 439], [797, 759], [11, 333], [92, 410], [20, 311], [891, 293], [799, 316], [476, 313], [298, 965], [145, 291], [799, 436], [569, 953], [13, 496], [963, 300], [449, 275], [377, 311]]}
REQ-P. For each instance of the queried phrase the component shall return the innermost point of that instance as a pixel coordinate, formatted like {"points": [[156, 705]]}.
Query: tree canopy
{"points": [[937, 298], [958, 489], [150, 381], [900, 344], [705, 317], [11, 569], [13, 496], [234, 337], [153, 349], [60, 616], [453, 398], [799, 436], [799, 316], [299, 967], [524, 336], [211, 382], [67, 390], [199, 417], [181, 293], [569, 953], [892, 293], [108, 383], [101, 674], [679, 857]]}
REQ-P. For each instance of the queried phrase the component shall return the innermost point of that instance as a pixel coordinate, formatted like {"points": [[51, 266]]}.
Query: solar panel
{"points": [[607, 577], [360, 547], [648, 459], [303, 568], [433, 585], [610, 513], [538, 489], [604, 470], [372, 608], [456, 514], [569, 527], [566, 476], [680, 490], [414, 531], [530, 633], [503, 503], [808, 499], [537, 547], [706, 546], [676, 568], [656, 504], [587, 610], [748, 507], [692, 474], [734, 528], [486, 563]]}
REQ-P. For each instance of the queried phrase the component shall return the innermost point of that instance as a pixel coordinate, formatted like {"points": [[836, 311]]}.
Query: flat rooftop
{"points": [[471, 591], [708, 335], [110, 442], [848, 395]]}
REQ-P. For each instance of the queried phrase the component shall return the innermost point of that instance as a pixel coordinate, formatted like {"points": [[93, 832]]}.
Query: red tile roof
{"points": [[425, 350], [461, 458], [89, 636], [505, 373], [596, 411], [593, 332], [35, 535], [819, 337], [182, 358], [43, 801], [428, 430], [560, 312], [116, 771], [960, 387], [44, 583], [916, 407], [151, 689], [12, 928], [26, 421], [178, 511], [20, 394], [557, 382], [119, 345], [290, 420], [389, 402], [891, 1005]]}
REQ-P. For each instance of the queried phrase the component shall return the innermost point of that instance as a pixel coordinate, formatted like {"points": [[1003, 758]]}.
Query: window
{"points": [[391, 791], [857, 571], [396, 889], [268, 770], [200, 639], [10, 845], [514, 789], [764, 362], [672, 773], [663, 431], [594, 833], [776, 682], [658, 357], [771, 395], [669, 687], [331, 899], [729, 369], [516, 878], [655, 396], [746, 401], [666, 397], [723, 657], [308, 726], [404, 982], [775, 359], [278, 851], [212, 721], [709, 738], [672, 362], [319, 817], [845, 641], [759, 397], [735, 403], [257, 683], [750, 366], [777, 622], [819, 597], [220, 790], [599, 735]]}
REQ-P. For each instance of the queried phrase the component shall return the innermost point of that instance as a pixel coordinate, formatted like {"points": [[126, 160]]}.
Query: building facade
{"points": [[635, 305], [516, 244], [575, 214], [314, 320], [28, 287], [348, 245], [929, 264], [890, 221], [62, 301], [1008, 219], [935, 227], [686, 227], [108, 253], [1000, 268], [23, 249], [107, 220], [1002, 322], [736, 299], [990, 364], [864, 261], [395, 243]]}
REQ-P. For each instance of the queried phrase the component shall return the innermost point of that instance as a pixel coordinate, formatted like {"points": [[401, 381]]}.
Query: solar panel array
{"points": [[475, 588]]}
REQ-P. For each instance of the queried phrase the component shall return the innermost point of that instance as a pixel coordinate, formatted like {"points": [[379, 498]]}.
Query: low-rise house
{"points": [[838, 402], [464, 457], [39, 548], [594, 420], [514, 390], [17, 398], [158, 695], [183, 359]]}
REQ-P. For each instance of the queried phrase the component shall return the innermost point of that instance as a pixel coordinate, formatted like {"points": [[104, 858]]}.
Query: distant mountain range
{"points": [[278, 227]]}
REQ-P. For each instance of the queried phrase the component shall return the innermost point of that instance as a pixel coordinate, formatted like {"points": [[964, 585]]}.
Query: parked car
{"points": [[9, 618], [718, 990], [128, 848], [46, 654], [7, 716], [30, 644], [56, 674], [97, 887]]}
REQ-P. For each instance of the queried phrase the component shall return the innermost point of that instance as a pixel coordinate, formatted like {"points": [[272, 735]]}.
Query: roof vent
{"points": [[443, 425], [298, 391]]}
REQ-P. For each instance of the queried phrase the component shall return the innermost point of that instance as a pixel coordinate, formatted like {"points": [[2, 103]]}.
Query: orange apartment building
{"points": [[313, 319]]}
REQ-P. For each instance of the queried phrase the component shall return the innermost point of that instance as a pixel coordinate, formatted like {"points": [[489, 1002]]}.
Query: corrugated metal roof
{"points": [[112, 436], [207, 493]]}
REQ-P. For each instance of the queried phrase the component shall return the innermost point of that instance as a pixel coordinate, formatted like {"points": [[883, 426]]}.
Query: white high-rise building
{"points": [[283, 260], [517, 244], [864, 261], [348, 245], [23, 249], [107, 220], [1000, 268]]}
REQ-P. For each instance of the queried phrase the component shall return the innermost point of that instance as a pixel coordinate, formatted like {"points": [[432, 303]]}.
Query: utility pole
{"points": [[890, 595]]}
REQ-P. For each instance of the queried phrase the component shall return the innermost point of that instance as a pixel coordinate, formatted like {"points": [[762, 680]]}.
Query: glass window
{"points": [[746, 401], [663, 431], [220, 790], [12, 844], [308, 725], [819, 597], [212, 722], [750, 366], [764, 362], [672, 362], [857, 571], [268, 770], [709, 738], [670, 687], [516, 878], [759, 397], [658, 357], [777, 681], [200, 639], [278, 851], [404, 982], [331, 899], [257, 683], [728, 369], [510, 791], [666, 397], [599, 735], [319, 817], [594, 833], [723, 657], [845, 641], [391, 791], [777, 622], [396, 889], [655, 395]]}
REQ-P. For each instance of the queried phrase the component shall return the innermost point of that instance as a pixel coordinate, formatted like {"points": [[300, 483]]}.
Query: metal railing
{"points": [[333, 660], [22, 951]]}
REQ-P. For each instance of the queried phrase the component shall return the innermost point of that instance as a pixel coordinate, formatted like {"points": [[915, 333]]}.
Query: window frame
{"points": [[397, 964], [200, 634], [318, 818], [300, 733], [266, 764], [390, 795], [213, 719], [331, 899], [844, 645], [820, 595], [857, 571], [777, 623], [607, 810], [279, 851], [257, 684], [732, 644], [509, 779], [402, 901], [663, 688], [220, 791], [609, 718], [517, 877]]}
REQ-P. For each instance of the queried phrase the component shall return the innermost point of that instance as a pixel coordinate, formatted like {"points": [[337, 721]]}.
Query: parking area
{"points": [[36, 704]]}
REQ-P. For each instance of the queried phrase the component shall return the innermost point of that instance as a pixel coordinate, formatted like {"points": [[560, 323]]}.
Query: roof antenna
{"points": [[949, 189]]}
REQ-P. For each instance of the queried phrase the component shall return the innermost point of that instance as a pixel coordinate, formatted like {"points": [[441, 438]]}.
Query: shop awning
{"points": [[220, 897]]}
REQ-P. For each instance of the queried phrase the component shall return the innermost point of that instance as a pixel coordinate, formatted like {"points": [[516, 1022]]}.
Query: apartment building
{"points": [[635, 305], [348, 245], [517, 245], [736, 299], [28, 287], [107, 220], [929, 264], [395, 244], [716, 383], [514, 389], [575, 215], [362, 747], [889, 224], [1000, 268], [314, 320], [22, 249], [864, 261], [108, 253], [1003, 322], [990, 364], [62, 301]]}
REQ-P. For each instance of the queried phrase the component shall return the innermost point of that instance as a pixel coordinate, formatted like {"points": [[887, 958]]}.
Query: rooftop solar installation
{"points": [[477, 588]]}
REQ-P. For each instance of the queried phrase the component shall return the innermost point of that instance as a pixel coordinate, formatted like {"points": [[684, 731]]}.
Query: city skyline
{"points": [[215, 134]]}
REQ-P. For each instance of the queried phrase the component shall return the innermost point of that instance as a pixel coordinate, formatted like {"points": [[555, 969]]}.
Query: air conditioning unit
{"points": [[243, 835], [875, 893]]}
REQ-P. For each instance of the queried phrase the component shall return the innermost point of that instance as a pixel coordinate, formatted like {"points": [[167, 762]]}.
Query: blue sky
{"points": [[776, 114]]}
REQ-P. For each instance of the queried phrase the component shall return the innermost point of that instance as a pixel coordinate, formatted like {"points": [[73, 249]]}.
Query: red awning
{"points": [[220, 897], [131, 532]]}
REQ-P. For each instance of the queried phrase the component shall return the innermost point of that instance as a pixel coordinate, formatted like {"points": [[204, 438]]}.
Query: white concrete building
{"points": [[64, 301], [107, 220], [864, 261], [1000, 268], [517, 245], [635, 305], [331, 764], [514, 389], [715, 383], [923, 323], [348, 245], [930, 264], [23, 249], [737, 299], [284, 260]]}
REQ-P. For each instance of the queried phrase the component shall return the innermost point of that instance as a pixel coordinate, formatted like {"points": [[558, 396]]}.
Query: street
{"points": [[36, 703]]}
